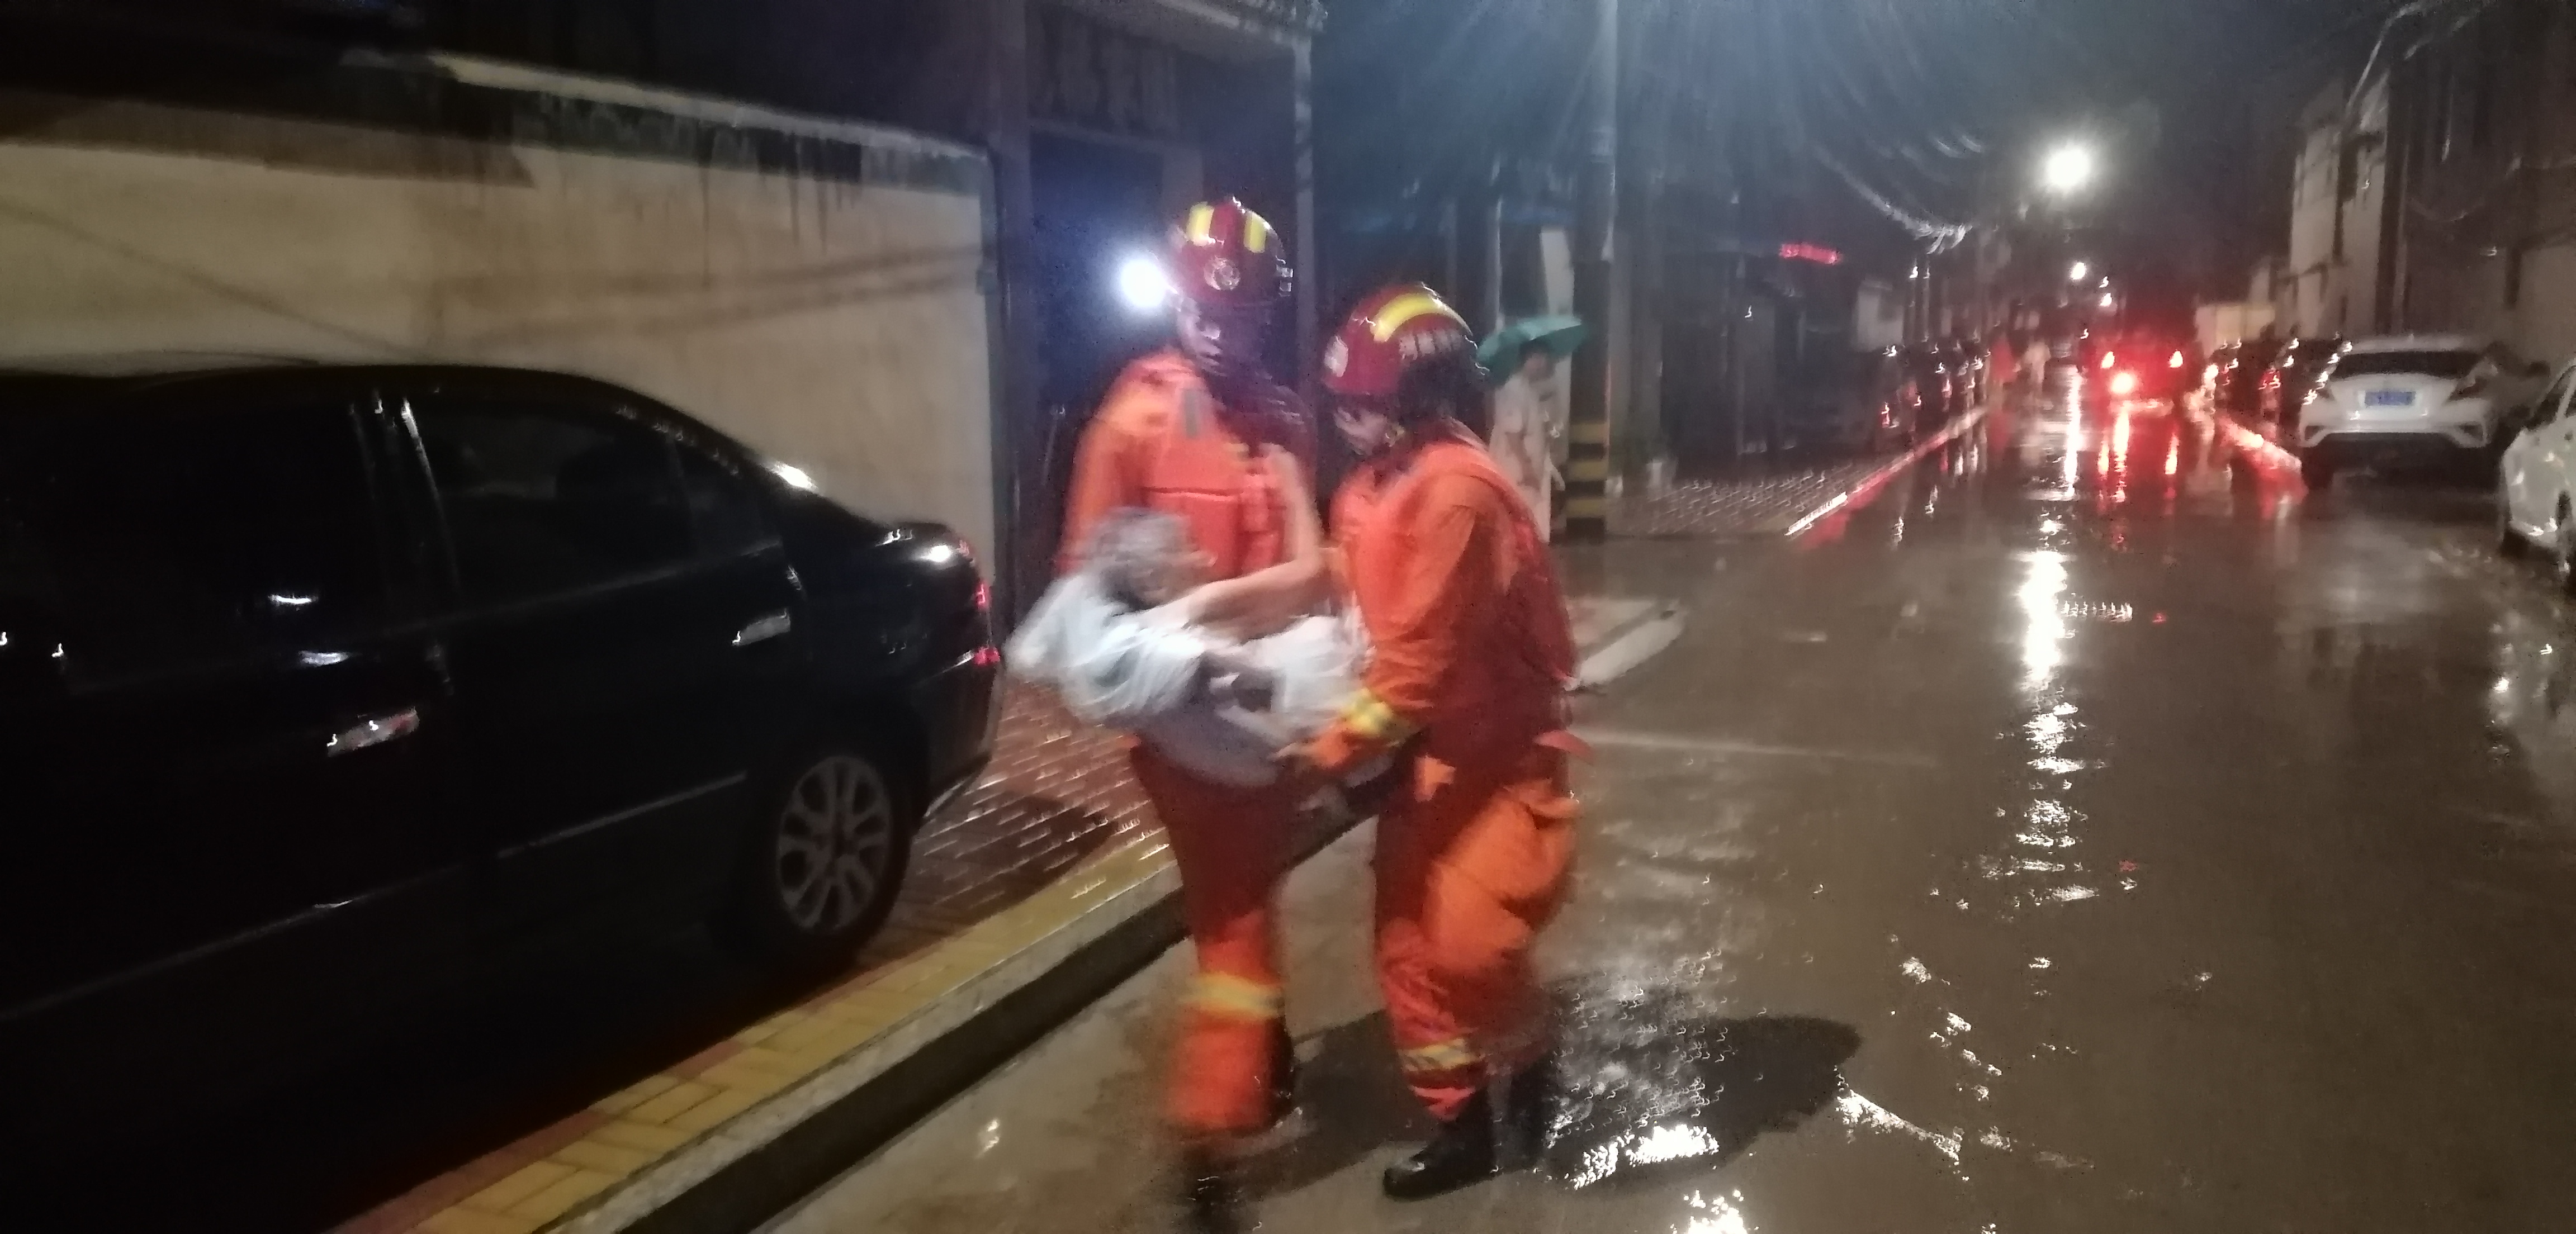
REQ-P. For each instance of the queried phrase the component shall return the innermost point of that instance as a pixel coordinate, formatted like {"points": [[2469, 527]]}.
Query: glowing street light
{"points": [[2067, 169], [2078, 272]]}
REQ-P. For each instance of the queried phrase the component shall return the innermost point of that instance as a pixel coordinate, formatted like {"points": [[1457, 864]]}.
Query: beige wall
{"points": [[835, 325]]}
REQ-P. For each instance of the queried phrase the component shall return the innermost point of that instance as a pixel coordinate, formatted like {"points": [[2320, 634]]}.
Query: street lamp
{"points": [[2078, 272], [2067, 169]]}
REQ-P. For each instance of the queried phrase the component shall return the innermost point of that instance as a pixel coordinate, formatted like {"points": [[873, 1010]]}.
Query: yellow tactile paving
{"points": [[659, 1114], [673, 1102], [468, 1221], [635, 1094], [718, 1110], [590, 1154], [559, 1197], [642, 1137]]}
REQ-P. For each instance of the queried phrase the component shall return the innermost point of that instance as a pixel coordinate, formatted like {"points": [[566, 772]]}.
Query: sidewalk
{"points": [[1047, 881], [1740, 505]]}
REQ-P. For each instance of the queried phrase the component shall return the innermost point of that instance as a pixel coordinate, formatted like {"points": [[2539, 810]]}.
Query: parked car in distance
{"points": [[1940, 384], [1885, 398], [2141, 368], [2237, 388], [2295, 377], [2412, 400], [2536, 479], [1968, 353], [326, 689]]}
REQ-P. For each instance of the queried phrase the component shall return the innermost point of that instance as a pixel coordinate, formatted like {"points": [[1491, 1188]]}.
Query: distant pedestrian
{"points": [[1471, 650], [1523, 441]]}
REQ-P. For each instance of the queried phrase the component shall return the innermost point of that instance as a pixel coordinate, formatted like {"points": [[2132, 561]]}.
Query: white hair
{"points": [[1134, 552]]}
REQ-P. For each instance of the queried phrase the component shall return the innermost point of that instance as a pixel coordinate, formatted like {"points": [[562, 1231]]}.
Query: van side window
{"points": [[190, 535], [542, 499]]}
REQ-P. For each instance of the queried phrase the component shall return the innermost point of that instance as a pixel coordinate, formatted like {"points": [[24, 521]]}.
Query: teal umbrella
{"points": [[1501, 353]]}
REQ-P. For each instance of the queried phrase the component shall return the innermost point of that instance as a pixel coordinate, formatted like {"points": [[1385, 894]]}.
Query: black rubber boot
{"points": [[1460, 1154], [1209, 1203], [1529, 1104], [1283, 1075]]}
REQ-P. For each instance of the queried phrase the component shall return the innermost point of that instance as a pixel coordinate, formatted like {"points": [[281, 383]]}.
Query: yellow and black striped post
{"points": [[1587, 421], [1587, 480]]}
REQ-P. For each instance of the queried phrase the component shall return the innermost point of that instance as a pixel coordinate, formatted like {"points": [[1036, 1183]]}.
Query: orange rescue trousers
{"points": [[1232, 847], [1470, 867]]}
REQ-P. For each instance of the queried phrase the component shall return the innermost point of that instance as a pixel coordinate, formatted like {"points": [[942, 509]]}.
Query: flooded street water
{"points": [[2093, 832]]}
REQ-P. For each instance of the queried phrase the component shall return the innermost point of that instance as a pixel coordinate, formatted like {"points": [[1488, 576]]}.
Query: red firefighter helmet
{"points": [[1396, 329], [1225, 255]]}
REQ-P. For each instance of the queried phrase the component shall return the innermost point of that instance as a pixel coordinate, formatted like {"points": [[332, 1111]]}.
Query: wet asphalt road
{"points": [[2092, 833]]}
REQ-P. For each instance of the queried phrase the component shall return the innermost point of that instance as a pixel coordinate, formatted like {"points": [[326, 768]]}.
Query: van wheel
{"points": [[824, 858]]}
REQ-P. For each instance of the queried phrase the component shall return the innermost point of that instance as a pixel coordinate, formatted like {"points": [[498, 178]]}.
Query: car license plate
{"points": [[2388, 398]]}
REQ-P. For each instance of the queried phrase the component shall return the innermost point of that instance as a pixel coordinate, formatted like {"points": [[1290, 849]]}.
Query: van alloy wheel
{"points": [[835, 841]]}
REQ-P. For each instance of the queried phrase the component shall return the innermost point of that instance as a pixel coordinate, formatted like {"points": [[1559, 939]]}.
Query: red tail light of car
{"points": [[2124, 383]]}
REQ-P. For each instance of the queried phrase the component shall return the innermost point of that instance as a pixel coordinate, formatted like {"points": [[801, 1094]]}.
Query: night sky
{"points": [[1936, 109]]}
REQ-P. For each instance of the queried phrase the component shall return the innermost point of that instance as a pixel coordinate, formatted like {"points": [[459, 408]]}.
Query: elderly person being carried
{"points": [[1216, 676]]}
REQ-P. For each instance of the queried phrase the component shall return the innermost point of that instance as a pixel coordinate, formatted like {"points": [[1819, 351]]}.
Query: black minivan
{"points": [[326, 688]]}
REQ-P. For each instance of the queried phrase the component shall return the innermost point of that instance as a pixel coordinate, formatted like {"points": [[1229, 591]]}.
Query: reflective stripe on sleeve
{"points": [[1373, 720]]}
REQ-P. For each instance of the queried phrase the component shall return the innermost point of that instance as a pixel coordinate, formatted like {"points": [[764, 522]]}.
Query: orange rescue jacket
{"points": [[1470, 644], [1162, 441]]}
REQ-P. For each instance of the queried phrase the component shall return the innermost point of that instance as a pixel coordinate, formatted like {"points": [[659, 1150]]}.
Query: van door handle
{"points": [[764, 628], [375, 731]]}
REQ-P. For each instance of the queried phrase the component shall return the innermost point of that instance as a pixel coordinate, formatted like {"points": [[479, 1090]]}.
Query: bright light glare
{"points": [[2124, 384], [1143, 285], [2068, 168], [2108, 300], [795, 476], [2078, 272]]}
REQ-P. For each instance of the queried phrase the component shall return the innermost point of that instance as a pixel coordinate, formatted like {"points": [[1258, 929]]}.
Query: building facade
{"points": [[1099, 120], [2439, 193]]}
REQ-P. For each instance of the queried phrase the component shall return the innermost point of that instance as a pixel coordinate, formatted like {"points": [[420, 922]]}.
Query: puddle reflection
{"points": [[1654, 1083]]}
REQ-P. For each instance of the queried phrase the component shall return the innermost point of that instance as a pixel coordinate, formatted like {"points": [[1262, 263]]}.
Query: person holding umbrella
{"points": [[1525, 424]]}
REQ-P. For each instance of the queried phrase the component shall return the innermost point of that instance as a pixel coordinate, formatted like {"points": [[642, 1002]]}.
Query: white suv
{"points": [[2536, 485], [2414, 399]]}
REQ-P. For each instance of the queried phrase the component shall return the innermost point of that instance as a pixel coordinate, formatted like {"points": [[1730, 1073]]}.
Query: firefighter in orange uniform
{"points": [[1201, 432], [1471, 653]]}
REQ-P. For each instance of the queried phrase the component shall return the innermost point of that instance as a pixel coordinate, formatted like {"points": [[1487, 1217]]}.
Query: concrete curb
{"points": [[735, 1178]]}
